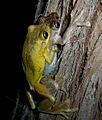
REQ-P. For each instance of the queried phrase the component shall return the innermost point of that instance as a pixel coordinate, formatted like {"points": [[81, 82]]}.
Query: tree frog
{"points": [[37, 51], [34, 55]]}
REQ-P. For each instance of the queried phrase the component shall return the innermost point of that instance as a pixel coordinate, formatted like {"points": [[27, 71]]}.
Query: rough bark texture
{"points": [[80, 71]]}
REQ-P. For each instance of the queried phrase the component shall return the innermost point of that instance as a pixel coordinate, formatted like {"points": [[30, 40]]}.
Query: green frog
{"points": [[35, 53]]}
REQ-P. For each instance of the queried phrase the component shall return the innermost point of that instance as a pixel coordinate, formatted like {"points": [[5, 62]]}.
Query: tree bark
{"points": [[80, 70]]}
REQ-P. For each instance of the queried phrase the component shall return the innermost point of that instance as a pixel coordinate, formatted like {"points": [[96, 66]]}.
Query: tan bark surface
{"points": [[80, 71]]}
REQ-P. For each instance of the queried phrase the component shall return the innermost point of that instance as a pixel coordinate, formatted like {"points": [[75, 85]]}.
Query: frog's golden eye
{"points": [[45, 35]]}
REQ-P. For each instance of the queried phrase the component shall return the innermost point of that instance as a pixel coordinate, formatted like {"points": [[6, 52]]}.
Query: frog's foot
{"points": [[43, 91], [58, 109], [62, 109]]}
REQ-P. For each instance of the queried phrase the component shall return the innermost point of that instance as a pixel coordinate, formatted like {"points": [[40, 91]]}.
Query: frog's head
{"points": [[40, 33]]}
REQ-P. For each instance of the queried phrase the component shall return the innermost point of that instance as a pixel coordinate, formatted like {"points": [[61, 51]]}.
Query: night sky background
{"points": [[16, 16]]}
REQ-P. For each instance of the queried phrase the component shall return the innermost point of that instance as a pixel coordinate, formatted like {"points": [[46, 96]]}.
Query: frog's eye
{"points": [[45, 35]]}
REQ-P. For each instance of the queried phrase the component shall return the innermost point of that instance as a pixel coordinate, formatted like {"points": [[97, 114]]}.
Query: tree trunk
{"points": [[80, 70]]}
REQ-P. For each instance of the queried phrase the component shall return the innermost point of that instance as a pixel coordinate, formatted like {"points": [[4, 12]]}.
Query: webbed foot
{"points": [[56, 109]]}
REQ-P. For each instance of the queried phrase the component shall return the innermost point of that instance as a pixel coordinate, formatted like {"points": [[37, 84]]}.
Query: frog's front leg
{"points": [[49, 54], [56, 109]]}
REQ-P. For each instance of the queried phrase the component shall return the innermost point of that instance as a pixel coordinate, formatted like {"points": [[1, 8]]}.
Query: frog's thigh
{"points": [[30, 99], [42, 90], [45, 105]]}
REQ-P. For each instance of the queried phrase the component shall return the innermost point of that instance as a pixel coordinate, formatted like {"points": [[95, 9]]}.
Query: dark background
{"points": [[16, 15]]}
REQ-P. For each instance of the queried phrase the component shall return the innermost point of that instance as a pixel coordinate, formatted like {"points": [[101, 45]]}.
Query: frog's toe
{"points": [[65, 111], [70, 110], [65, 116]]}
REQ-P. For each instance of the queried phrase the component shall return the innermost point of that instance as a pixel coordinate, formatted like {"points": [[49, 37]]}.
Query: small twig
{"points": [[38, 10]]}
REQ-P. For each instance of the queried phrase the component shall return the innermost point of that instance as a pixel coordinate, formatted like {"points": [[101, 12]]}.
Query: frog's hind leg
{"points": [[44, 91], [56, 109]]}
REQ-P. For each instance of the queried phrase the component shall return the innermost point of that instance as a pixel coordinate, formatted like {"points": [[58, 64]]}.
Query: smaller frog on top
{"points": [[52, 19]]}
